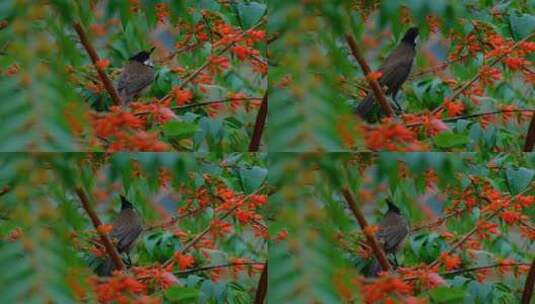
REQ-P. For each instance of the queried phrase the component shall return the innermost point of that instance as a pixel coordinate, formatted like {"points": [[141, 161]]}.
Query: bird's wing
{"points": [[395, 76], [126, 228], [392, 236], [123, 81], [397, 66]]}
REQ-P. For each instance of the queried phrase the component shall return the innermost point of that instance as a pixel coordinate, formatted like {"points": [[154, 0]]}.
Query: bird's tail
{"points": [[374, 268], [365, 106], [102, 266]]}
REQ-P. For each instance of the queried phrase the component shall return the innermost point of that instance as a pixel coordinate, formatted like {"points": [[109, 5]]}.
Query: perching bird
{"points": [[395, 71], [126, 228], [393, 229], [137, 75]]}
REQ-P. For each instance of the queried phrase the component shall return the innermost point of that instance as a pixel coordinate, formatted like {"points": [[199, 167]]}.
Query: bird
{"points": [[393, 229], [126, 228], [137, 75], [395, 70]]}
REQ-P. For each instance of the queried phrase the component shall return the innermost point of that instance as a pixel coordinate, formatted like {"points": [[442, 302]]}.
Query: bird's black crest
{"points": [[125, 204], [410, 35], [392, 207], [141, 56]]}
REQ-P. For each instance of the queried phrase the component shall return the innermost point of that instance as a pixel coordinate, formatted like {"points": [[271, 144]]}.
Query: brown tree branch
{"points": [[261, 289], [5, 190], [378, 91], [476, 77], [254, 145], [112, 251], [94, 58], [378, 252], [528, 287], [530, 137]]}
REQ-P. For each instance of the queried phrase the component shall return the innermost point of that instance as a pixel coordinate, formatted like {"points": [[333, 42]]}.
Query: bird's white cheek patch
{"points": [[148, 62]]}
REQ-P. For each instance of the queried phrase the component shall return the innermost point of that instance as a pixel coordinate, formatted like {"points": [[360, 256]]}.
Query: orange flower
{"points": [[510, 217], [102, 64], [515, 63], [371, 229], [183, 261], [218, 64], [104, 228], [488, 75], [454, 108], [375, 75], [450, 261], [182, 97], [485, 229]]}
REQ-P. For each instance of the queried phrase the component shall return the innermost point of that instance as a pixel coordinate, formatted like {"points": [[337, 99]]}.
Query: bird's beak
{"points": [[152, 50]]}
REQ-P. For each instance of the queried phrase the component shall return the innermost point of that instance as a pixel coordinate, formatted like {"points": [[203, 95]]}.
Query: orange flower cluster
{"points": [[123, 131], [488, 75], [162, 277], [485, 229], [453, 108], [450, 261], [391, 136], [183, 261], [119, 288], [385, 289]]}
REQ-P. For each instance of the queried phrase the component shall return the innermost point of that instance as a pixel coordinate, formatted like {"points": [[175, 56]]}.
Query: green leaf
{"points": [[522, 25], [450, 140], [179, 129], [447, 294], [252, 178], [518, 179], [250, 13], [177, 294]]}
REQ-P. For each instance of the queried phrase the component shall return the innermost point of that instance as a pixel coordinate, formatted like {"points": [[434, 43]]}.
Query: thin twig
{"points": [[254, 145], [201, 104], [476, 77], [459, 271], [435, 68], [94, 58], [477, 268], [378, 91], [378, 252], [112, 251], [455, 118], [190, 271]]}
